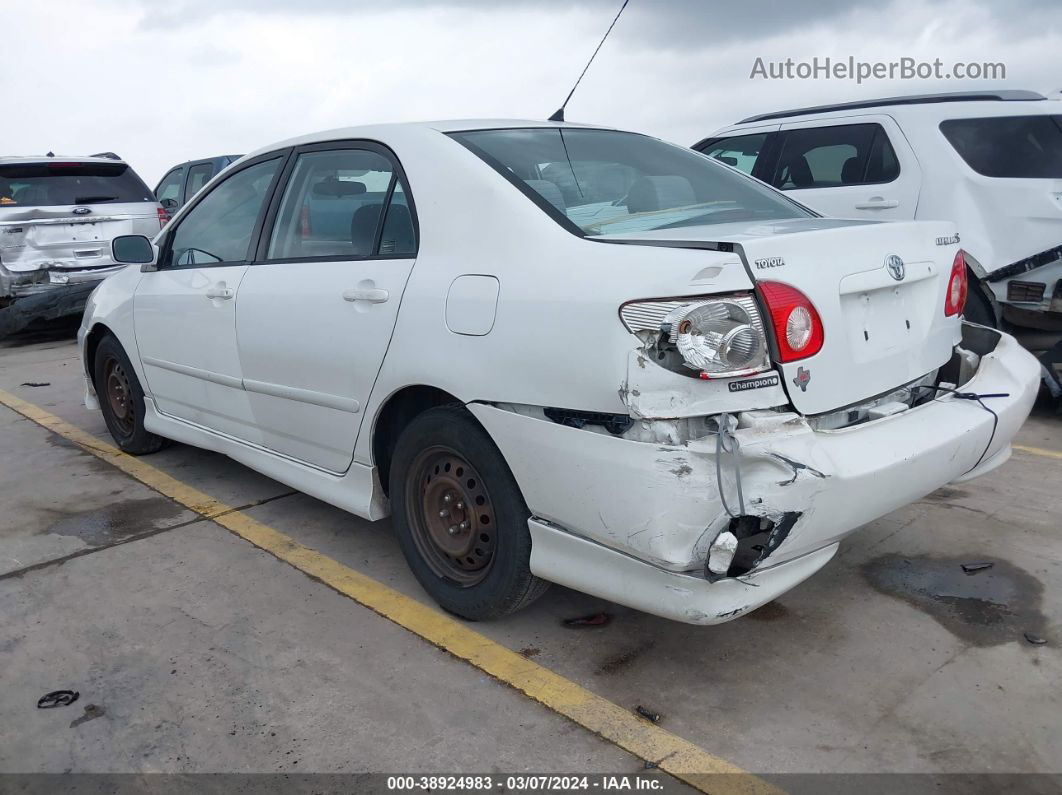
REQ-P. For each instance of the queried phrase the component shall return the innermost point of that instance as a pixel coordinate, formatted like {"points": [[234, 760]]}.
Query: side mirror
{"points": [[133, 250], [169, 204]]}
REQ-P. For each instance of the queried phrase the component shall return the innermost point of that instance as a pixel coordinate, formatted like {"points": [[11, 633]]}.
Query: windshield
{"points": [[53, 184], [609, 183], [1027, 147]]}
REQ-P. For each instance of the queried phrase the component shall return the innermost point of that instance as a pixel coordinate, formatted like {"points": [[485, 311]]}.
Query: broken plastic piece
{"points": [[596, 620], [35, 383], [1035, 640], [57, 698], [973, 568], [648, 714], [721, 553]]}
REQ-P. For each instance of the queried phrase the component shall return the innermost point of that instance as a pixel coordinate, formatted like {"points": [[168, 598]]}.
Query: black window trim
{"points": [[879, 130], [165, 249], [397, 174], [188, 176], [763, 169]]}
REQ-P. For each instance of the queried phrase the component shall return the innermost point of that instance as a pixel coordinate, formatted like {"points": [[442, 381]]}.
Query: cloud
{"points": [[164, 82]]}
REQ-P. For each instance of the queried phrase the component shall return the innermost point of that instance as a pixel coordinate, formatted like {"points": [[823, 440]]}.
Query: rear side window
{"points": [[835, 156], [198, 176], [741, 151], [54, 184], [1027, 147], [333, 207]]}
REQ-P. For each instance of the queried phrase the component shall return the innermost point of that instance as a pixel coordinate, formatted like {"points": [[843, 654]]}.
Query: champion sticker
{"points": [[753, 383]]}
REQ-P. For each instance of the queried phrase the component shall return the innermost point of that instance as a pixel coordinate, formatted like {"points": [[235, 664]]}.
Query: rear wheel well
{"points": [[399, 410]]}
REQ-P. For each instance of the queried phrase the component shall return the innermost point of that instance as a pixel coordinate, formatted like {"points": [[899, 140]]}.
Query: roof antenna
{"points": [[559, 114]]}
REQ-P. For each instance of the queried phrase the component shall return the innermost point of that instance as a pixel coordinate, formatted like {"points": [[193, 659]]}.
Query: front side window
{"points": [[741, 151], [170, 187], [55, 183], [604, 182], [198, 176], [333, 205], [1027, 147], [835, 156], [219, 228]]}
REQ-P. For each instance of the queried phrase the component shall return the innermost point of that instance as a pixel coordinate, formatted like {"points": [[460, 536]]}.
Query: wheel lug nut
{"points": [[464, 525], [448, 498], [460, 506], [443, 514], [453, 530]]}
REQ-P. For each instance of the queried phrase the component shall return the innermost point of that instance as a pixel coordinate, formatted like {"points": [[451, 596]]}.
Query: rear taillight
{"points": [[164, 217], [797, 326], [955, 298]]}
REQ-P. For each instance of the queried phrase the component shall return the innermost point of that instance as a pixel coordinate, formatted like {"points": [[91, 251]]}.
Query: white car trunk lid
{"points": [[880, 332]]}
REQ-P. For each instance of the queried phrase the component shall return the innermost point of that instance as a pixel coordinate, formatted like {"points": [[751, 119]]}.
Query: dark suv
{"points": [[182, 182]]}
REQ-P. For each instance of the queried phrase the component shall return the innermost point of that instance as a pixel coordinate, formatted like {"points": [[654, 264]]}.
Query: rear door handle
{"points": [[372, 295], [877, 203], [220, 291]]}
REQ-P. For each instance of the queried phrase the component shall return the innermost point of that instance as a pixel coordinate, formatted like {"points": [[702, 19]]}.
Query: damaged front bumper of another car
{"points": [[704, 519]]}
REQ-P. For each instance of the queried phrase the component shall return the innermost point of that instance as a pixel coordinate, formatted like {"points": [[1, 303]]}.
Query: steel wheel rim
{"points": [[451, 516], [119, 395]]}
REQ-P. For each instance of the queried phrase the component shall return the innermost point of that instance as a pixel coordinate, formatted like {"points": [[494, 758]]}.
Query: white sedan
{"points": [[557, 353]]}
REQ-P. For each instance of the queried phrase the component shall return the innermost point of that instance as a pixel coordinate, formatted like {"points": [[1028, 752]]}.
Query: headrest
{"points": [[660, 193]]}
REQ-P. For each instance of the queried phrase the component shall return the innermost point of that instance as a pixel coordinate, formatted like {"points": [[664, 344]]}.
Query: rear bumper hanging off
{"points": [[633, 521]]}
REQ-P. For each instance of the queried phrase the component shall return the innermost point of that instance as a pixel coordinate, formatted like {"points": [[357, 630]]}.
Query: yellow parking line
{"points": [[1037, 451], [674, 755]]}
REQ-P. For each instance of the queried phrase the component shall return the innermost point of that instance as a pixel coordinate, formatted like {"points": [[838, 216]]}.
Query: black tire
{"points": [[444, 461], [122, 399], [978, 308]]}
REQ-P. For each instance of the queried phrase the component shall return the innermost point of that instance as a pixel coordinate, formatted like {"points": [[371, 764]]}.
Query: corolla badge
{"points": [[803, 378], [894, 265]]}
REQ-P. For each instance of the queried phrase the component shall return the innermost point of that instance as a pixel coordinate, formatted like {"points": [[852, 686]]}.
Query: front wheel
{"points": [[122, 399], [460, 518]]}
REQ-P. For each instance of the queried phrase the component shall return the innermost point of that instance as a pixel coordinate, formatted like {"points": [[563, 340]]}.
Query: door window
{"points": [[741, 151], [170, 187], [198, 176], [220, 227], [333, 205], [835, 156]]}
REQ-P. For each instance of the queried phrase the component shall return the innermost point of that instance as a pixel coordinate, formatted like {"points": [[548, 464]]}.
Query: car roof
{"points": [[384, 131], [911, 99], [27, 160]]}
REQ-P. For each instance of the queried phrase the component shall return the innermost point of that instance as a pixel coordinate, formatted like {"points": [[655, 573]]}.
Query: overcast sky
{"points": [[162, 81]]}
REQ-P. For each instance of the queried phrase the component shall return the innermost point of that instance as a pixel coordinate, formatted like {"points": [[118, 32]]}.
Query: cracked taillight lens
{"points": [[718, 336]]}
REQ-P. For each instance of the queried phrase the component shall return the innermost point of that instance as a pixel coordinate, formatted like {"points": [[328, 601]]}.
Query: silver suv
{"points": [[57, 218]]}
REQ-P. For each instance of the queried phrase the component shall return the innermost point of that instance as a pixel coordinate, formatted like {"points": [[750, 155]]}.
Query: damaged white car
{"points": [[557, 354]]}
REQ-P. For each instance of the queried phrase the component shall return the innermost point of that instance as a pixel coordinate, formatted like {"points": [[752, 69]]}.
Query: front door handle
{"points": [[878, 203], [372, 295], [219, 290]]}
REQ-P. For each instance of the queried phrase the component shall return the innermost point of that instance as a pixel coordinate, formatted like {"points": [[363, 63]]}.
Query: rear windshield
{"points": [[53, 184], [604, 182], [1011, 146]]}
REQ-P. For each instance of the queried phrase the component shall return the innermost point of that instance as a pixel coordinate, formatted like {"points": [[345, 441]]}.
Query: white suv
{"points": [[989, 161]]}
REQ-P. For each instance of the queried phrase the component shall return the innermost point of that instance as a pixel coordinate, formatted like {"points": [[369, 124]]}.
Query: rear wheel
{"points": [[122, 399], [460, 518]]}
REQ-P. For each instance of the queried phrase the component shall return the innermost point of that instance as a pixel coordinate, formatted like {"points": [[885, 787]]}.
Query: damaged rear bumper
{"points": [[633, 521], [57, 301]]}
